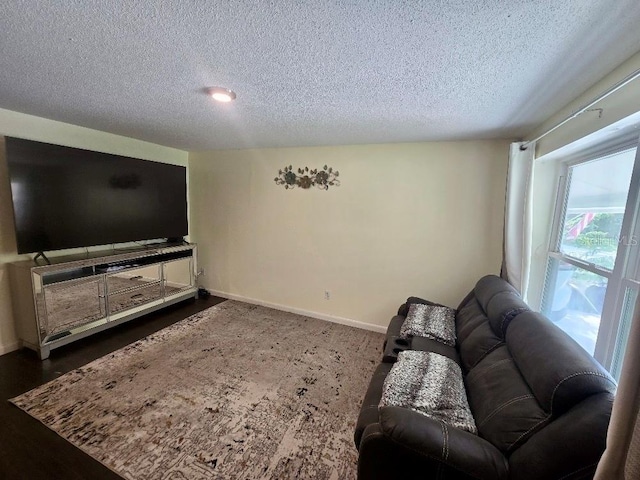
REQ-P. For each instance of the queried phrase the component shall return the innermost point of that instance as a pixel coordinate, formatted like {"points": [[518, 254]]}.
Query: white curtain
{"points": [[621, 459], [518, 217]]}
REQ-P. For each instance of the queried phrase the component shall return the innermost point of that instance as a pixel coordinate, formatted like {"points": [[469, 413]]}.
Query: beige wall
{"points": [[409, 219], [34, 128]]}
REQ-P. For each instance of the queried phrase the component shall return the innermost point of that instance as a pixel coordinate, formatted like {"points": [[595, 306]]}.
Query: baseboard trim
{"points": [[307, 313], [9, 347]]}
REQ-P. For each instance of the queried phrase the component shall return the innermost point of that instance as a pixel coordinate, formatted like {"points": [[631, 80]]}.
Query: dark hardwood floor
{"points": [[28, 449]]}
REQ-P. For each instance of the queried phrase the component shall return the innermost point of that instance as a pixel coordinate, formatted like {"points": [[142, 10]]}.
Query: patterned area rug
{"points": [[235, 392]]}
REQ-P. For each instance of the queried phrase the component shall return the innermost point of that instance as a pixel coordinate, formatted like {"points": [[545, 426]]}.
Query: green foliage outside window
{"points": [[597, 243]]}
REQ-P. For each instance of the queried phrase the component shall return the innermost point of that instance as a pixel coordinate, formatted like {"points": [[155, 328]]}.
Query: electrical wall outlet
{"points": [[327, 295], [201, 272]]}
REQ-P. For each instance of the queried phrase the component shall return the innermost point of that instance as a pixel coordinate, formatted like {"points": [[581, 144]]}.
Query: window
{"points": [[592, 269]]}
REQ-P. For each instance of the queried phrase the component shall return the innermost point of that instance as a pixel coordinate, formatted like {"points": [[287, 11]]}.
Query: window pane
{"points": [[573, 300], [595, 208]]}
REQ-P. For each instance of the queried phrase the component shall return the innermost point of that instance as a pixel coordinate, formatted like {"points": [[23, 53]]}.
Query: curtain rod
{"points": [[628, 79]]}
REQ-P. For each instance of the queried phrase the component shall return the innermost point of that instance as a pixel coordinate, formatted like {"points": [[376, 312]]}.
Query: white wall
{"points": [[15, 124], [409, 219]]}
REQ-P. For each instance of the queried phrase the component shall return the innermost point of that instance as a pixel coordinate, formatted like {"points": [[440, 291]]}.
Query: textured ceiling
{"points": [[316, 72]]}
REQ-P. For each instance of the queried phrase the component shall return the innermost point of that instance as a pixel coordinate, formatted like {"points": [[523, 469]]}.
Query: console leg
{"points": [[44, 352]]}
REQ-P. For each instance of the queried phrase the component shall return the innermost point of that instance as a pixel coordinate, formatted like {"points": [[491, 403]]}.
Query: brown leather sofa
{"points": [[540, 402]]}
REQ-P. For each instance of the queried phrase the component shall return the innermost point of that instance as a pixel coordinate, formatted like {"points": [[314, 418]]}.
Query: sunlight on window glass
{"points": [[595, 208], [575, 298]]}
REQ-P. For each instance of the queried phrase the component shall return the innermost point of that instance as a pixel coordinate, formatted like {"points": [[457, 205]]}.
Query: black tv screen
{"points": [[67, 197]]}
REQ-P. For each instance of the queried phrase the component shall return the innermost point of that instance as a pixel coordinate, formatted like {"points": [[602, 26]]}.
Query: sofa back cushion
{"points": [[483, 318], [559, 372], [480, 343], [404, 308], [490, 285], [430, 321], [468, 317], [504, 407], [475, 336], [502, 309], [523, 371]]}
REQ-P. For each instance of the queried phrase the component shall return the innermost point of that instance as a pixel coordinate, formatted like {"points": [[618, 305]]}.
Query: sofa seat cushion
{"points": [[437, 323], [506, 411], [430, 384]]}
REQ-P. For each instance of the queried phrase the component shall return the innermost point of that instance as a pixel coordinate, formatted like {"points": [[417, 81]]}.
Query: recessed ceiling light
{"points": [[222, 94]]}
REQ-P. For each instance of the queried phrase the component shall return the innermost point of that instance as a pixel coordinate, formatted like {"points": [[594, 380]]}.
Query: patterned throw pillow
{"points": [[437, 323], [430, 384]]}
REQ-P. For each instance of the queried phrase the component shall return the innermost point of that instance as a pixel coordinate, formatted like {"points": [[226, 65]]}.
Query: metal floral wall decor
{"points": [[307, 178]]}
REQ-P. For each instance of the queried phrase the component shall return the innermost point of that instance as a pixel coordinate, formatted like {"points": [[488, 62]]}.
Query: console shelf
{"points": [[77, 296]]}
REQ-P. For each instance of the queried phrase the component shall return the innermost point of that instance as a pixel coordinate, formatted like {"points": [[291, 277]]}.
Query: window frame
{"points": [[628, 265], [625, 273]]}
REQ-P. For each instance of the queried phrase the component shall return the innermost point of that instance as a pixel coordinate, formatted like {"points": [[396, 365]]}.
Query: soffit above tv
{"points": [[309, 73]]}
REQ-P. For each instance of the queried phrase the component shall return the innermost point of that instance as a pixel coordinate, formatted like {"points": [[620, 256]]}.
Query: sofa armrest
{"points": [[406, 441], [570, 446], [393, 330], [369, 408]]}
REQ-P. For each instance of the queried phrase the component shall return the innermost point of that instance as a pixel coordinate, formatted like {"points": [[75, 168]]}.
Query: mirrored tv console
{"points": [[77, 296]]}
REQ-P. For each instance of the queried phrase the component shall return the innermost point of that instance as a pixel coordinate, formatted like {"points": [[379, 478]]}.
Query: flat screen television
{"points": [[67, 197]]}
